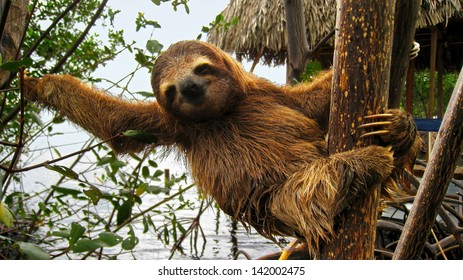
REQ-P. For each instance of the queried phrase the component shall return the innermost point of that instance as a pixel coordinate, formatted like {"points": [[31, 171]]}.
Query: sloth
{"points": [[257, 148]]}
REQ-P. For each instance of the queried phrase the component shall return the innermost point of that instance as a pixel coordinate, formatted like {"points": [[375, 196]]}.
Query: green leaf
{"points": [[76, 232], [153, 46], [94, 193], [66, 191], [117, 164], [105, 160], [33, 251], [181, 228], [130, 242], [145, 171], [63, 170], [105, 239], [85, 244], [146, 226], [66, 233], [124, 211], [141, 189], [219, 18], [156, 2], [110, 239], [145, 93], [157, 190], [5, 215], [235, 20], [158, 173], [153, 163], [140, 136], [14, 65], [141, 58], [187, 9]]}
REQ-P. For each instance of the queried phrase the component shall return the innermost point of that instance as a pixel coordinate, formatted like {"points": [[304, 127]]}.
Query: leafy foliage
{"points": [[421, 92], [220, 24]]}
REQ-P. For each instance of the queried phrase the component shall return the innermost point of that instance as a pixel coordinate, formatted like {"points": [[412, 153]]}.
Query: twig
{"points": [[193, 224], [128, 221], [18, 150], [438, 244], [52, 191], [131, 219], [320, 43], [79, 40], [4, 143], [48, 162], [52, 25]]}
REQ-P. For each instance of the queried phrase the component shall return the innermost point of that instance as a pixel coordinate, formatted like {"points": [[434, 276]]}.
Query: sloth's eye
{"points": [[170, 93], [203, 69]]}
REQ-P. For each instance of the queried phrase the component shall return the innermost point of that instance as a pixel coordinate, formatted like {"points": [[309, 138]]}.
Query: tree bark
{"points": [[297, 40], [13, 17], [360, 87], [406, 15], [436, 178]]}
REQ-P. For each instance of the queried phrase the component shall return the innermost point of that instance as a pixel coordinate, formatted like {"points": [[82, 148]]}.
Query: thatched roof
{"points": [[260, 29], [434, 12]]}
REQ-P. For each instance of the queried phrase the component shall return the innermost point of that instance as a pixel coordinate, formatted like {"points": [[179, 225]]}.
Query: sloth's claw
{"points": [[376, 133]]}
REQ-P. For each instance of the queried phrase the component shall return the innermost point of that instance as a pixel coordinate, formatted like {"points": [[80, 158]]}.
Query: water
{"points": [[223, 238]]}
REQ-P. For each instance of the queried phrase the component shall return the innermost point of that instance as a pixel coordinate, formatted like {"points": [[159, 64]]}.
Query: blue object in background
{"points": [[428, 124]]}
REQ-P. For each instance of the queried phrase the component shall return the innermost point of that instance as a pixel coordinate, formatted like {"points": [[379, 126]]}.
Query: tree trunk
{"points": [[406, 15], [360, 87], [297, 40], [436, 178], [12, 17]]}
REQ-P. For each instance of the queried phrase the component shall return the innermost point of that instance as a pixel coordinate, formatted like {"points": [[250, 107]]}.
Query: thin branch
{"points": [[128, 221], [48, 162], [79, 40], [320, 43], [131, 219], [50, 28], [4, 143], [193, 224], [18, 150]]}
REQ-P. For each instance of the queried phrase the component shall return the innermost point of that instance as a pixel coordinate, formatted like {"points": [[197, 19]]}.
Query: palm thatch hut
{"points": [[260, 34], [260, 30], [439, 34]]}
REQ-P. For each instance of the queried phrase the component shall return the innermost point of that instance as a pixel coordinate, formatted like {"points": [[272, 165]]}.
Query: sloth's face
{"points": [[194, 83]]}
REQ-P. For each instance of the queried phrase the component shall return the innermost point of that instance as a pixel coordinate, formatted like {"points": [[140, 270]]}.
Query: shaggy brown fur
{"points": [[258, 149]]}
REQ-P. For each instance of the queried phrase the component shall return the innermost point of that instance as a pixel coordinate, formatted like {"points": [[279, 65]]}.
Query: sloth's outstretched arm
{"points": [[102, 115]]}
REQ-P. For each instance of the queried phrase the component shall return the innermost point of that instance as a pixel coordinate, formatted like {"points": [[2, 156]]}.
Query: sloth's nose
{"points": [[191, 90]]}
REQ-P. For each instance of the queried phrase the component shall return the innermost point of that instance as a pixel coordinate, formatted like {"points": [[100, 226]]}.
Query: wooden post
{"points": [[440, 76], [297, 40], [410, 86], [436, 178], [432, 72], [406, 15], [432, 86], [360, 87]]}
